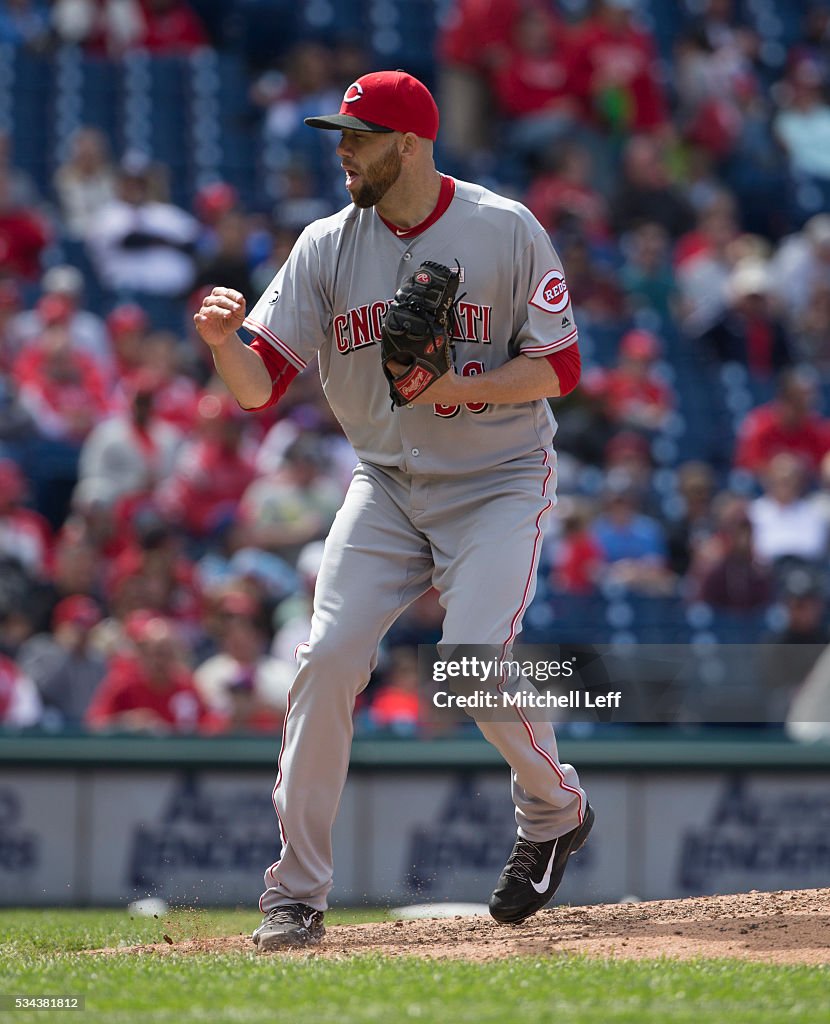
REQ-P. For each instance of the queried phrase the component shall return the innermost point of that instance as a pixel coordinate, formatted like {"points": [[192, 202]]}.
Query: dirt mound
{"points": [[776, 927]]}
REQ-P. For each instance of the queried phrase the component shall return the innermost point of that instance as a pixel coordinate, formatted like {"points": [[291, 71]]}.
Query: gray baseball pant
{"points": [[477, 539]]}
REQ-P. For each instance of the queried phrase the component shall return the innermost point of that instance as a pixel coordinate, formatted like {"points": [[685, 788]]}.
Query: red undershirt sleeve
{"points": [[568, 365], [281, 371]]}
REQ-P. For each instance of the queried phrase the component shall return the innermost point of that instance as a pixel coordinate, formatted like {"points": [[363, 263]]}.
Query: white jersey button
{"points": [[407, 256], [416, 451]]}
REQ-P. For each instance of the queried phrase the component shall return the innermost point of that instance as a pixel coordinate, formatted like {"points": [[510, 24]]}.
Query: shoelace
{"points": [[286, 914], [525, 857]]}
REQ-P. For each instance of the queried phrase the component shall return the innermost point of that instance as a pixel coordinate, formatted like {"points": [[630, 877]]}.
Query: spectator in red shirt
{"points": [[787, 424], [212, 472], [578, 555], [24, 534], [531, 83], [152, 573], [703, 260], [65, 285], [471, 45], [171, 26], [23, 236], [628, 454], [65, 396], [716, 229], [176, 396], [563, 198], [615, 74], [149, 689], [474, 34], [396, 707], [246, 712], [636, 396], [127, 326], [60, 388]]}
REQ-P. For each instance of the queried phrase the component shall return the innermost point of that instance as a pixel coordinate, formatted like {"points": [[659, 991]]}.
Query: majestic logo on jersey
{"points": [[275, 298], [354, 92], [362, 326], [551, 293]]}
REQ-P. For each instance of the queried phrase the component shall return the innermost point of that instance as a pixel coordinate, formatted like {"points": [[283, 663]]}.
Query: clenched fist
{"points": [[220, 316]]}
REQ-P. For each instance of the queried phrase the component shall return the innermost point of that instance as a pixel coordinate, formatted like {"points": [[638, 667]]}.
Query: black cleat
{"points": [[294, 924], [534, 872]]}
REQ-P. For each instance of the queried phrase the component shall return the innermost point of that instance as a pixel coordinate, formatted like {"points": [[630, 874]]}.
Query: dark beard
{"points": [[378, 179]]}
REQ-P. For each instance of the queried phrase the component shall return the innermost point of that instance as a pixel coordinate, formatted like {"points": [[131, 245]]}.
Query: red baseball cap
{"points": [[143, 625], [55, 309], [384, 101], [77, 609], [638, 344], [215, 199], [127, 317]]}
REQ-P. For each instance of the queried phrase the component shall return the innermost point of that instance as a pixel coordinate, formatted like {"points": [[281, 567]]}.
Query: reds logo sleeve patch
{"points": [[551, 294]]}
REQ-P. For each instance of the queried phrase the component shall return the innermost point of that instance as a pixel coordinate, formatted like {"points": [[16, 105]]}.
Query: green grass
{"points": [[38, 954], [28, 932]]}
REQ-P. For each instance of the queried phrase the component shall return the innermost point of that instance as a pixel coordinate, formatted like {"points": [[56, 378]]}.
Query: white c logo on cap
{"points": [[354, 92]]}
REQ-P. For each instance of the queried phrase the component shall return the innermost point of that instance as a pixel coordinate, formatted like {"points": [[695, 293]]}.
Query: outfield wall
{"points": [[103, 820]]}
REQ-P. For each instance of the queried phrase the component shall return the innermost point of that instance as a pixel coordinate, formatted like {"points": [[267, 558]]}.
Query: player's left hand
{"points": [[415, 342]]}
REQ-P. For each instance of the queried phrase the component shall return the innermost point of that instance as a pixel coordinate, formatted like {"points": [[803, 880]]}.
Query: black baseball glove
{"points": [[415, 335]]}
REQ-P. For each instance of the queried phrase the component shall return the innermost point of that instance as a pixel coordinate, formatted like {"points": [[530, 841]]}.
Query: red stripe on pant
{"points": [[270, 871], [516, 619]]}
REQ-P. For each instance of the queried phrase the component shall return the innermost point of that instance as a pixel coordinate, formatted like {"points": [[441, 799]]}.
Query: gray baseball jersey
{"points": [[455, 498], [330, 297]]}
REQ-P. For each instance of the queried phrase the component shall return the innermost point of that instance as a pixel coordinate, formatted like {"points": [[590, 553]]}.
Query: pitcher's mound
{"points": [[777, 927]]}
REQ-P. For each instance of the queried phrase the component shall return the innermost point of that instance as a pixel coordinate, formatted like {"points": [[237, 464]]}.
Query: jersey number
{"points": [[470, 369]]}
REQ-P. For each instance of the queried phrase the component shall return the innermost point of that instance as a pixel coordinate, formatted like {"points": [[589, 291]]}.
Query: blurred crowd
{"points": [[159, 548]]}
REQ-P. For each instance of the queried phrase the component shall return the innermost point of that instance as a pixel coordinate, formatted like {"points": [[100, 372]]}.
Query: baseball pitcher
{"points": [[440, 318]]}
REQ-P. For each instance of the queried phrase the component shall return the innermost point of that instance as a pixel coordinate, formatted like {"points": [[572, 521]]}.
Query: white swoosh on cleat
{"points": [[541, 886]]}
